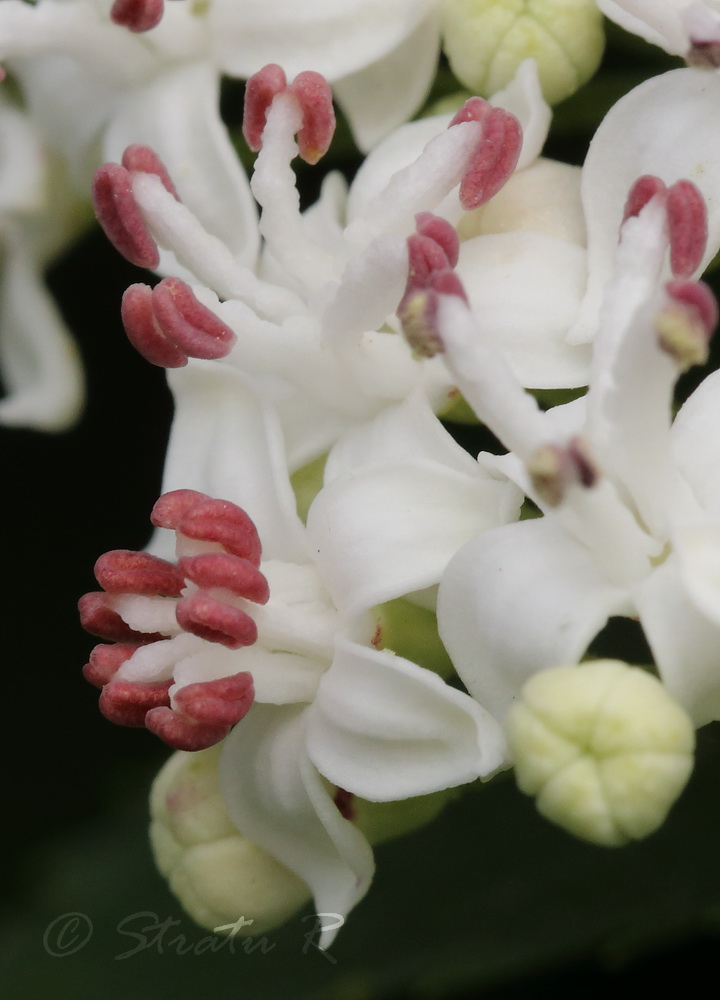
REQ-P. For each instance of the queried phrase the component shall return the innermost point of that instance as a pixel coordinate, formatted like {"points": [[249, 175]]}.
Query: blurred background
{"points": [[490, 900]]}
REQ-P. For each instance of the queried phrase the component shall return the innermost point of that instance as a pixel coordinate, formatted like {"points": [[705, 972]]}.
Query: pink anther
{"points": [[687, 223], [474, 109], [441, 232], [315, 99], [124, 571], [137, 15], [425, 257], [698, 296], [220, 569], [205, 714], [99, 618], [643, 190], [105, 661], [127, 702], [225, 524], [260, 90], [345, 804], [170, 509], [188, 324], [494, 158], [119, 215], [144, 160], [145, 333], [204, 616]]}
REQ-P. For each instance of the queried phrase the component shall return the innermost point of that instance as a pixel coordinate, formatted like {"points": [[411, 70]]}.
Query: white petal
{"points": [[277, 799], [332, 37], [384, 728], [519, 599], [41, 365], [225, 442], [669, 126], [390, 91], [390, 529], [696, 441], [525, 290], [195, 148], [684, 642], [657, 22]]}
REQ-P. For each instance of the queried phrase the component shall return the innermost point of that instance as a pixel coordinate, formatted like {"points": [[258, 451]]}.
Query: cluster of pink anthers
{"points": [[138, 15], [216, 574]]}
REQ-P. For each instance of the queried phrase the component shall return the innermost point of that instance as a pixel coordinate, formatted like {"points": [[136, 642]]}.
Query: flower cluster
{"points": [[343, 617]]}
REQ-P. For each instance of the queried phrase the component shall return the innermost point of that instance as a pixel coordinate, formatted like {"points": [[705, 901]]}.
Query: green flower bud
{"points": [[217, 874], [603, 747], [486, 40]]}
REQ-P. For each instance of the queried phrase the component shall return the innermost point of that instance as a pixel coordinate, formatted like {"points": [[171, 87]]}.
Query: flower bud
{"points": [[603, 747], [486, 40], [217, 874]]}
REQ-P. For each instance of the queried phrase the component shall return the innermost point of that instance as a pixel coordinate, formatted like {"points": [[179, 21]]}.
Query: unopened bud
{"points": [[217, 874], [604, 749], [486, 40]]}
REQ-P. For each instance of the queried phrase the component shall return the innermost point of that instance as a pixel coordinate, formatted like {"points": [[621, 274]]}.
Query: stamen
{"points": [[205, 712], [643, 190], [118, 213], [553, 469], [206, 617], [315, 99], [260, 90], [170, 509], [123, 571], [225, 524], [345, 804], [144, 160], [105, 661], [144, 332], [496, 153], [187, 323], [687, 222], [441, 232], [704, 32], [137, 15], [126, 703], [98, 618], [220, 569], [686, 324], [417, 312]]}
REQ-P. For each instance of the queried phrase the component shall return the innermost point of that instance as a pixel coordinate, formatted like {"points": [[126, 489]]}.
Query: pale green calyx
{"points": [[603, 747], [216, 873], [486, 40]]}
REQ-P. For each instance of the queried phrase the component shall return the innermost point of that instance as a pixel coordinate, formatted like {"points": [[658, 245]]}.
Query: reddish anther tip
{"points": [[220, 702], [345, 804], [225, 524], [315, 98], [182, 733], [643, 190], [494, 159], [207, 618], [144, 332], [441, 232], [260, 90], [170, 509], [105, 661], [188, 324], [144, 159], [698, 296], [127, 702], [137, 15], [118, 214], [425, 256], [124, 571], [220, 569], [98, 618], [473, 110], [688, 229]]}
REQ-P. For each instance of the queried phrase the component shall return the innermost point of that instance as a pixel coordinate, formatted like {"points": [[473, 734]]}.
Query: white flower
{"points": [[629, 503], [681, 27], [326, 704]]}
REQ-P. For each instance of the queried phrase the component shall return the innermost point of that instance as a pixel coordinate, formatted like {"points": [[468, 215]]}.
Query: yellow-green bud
{"points": [[603, 747], [486, 40], [217, 874]]}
